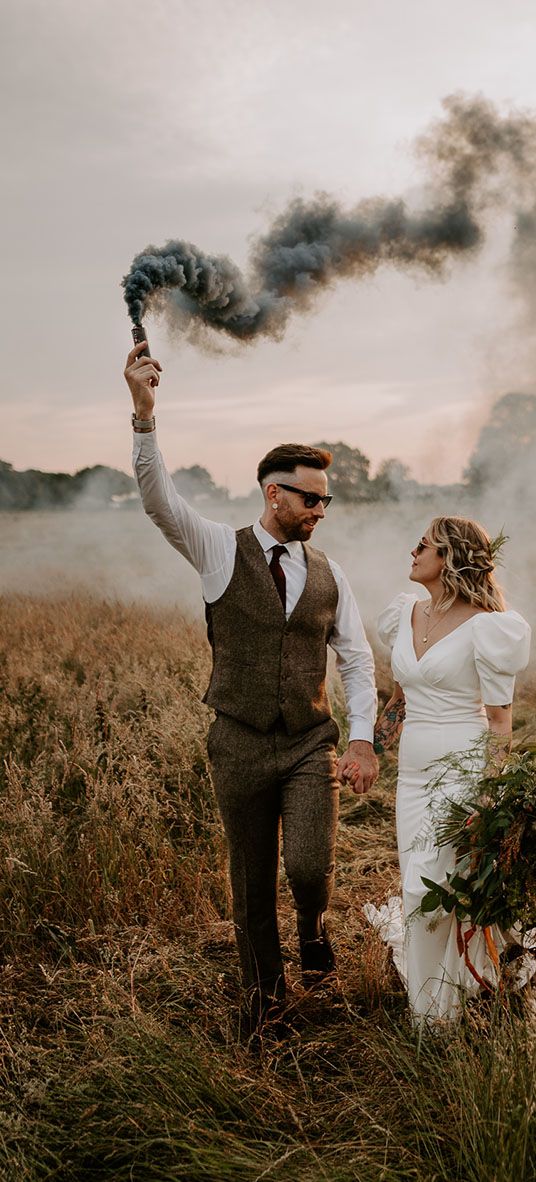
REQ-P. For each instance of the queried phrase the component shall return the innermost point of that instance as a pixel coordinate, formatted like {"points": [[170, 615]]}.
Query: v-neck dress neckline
{"points": [[429, 647]]}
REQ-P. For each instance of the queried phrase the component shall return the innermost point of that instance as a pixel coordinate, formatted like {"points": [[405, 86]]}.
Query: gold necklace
{"points": [[426, 613]]}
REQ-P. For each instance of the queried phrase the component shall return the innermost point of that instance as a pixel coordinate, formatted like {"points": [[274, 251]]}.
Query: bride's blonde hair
{"points": [[468, 567]]}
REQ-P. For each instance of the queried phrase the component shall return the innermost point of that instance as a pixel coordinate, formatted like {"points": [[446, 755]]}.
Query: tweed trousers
{"points": [[266, 783]]}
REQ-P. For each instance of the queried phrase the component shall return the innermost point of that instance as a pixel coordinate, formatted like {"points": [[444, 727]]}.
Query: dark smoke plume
{"points": [[475, 159]]}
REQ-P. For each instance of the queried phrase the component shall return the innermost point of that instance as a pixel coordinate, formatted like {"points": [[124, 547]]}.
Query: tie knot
{"points": [[277, 551]]}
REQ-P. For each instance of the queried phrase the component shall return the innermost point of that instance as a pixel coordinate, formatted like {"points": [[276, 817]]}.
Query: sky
{"points": [[129, 123]]}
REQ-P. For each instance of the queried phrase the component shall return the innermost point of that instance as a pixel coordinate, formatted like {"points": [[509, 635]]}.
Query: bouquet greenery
{"points": [[493, 830]]}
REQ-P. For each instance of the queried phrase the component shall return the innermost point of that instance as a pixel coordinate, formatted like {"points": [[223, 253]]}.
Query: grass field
{"points": [[119, 999]]}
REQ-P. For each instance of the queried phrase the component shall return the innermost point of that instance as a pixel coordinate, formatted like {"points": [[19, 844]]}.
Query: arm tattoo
{"points": [[498, 750], [389, 725]]}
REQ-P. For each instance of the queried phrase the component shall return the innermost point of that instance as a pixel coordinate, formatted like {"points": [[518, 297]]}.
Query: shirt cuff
{"points": [[361, 730], [144, 443]]}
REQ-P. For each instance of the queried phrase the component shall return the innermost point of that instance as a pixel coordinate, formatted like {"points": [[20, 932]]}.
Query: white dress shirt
{"points": [[210, 547]]}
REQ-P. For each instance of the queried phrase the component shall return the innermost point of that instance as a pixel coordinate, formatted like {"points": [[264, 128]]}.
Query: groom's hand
{"points": [[142, 376], [358, 767]]}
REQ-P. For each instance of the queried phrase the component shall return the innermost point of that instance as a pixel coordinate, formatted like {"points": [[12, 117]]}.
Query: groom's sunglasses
{"points": [[310, 499]]}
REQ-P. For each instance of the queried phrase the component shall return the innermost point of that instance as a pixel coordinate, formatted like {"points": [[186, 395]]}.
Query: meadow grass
{"points": [[119, 1056]]}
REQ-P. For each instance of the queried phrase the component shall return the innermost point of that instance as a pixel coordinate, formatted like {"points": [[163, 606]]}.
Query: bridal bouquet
{"points": [[493, 830]]}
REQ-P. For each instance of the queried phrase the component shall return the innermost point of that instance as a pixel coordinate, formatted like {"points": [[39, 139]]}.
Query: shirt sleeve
{"points": [[389, 620], [502, 645], [355, 662], [208, 545]]}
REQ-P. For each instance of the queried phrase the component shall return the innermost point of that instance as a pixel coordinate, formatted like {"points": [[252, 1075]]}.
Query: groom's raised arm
{"points": [[208, 545]]}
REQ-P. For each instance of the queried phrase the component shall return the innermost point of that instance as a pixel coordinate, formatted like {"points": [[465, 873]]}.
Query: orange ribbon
{"points": [[463, 939]]}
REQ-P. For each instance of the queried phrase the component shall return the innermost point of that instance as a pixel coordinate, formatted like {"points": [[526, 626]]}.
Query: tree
{"points": [[392, 481], [196, 483], [507, 442], [349, 472]]}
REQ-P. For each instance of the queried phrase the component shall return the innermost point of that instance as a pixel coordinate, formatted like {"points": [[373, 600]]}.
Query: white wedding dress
{"points": [[445, 693]]}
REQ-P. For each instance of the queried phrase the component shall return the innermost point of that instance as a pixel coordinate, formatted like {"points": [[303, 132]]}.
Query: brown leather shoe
{"points": [[317, 960]]}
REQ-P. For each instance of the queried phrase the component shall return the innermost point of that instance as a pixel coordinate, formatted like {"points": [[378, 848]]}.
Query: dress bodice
{"points": [[473, 665]]}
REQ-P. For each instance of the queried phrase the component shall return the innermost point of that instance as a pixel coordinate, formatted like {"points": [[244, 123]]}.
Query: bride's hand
{"points": [[351, 774], [358, 767]]}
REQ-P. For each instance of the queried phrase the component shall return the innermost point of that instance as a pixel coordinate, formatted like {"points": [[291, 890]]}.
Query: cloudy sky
{"points": [[127, 123]]}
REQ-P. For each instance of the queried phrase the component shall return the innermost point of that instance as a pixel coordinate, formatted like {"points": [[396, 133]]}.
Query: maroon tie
{"points": [[278, 574]]}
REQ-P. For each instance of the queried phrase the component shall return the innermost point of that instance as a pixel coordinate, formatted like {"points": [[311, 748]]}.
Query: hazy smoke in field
{"points": [[121, 554], [475, 159]]}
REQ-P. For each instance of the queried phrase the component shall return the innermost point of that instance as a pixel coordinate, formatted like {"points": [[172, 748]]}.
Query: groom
{"points": [[273, 604]]}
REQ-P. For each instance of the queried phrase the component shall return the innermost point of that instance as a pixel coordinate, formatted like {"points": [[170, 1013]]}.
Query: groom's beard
{"points": [[300, 531]]}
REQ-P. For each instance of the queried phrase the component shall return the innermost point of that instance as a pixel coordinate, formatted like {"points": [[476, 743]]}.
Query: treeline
{"points": [[58, 490], [92, 488], [505, 451]]}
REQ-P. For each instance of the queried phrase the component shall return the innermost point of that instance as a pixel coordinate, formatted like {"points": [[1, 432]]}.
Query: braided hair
{"points": [[468, 563]]}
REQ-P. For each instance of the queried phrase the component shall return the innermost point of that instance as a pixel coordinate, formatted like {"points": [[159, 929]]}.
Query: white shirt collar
{"points": [[267, 541]]}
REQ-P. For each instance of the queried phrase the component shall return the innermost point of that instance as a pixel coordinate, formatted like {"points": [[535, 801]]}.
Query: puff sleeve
{"points": [[389, 619], [502, 645]]}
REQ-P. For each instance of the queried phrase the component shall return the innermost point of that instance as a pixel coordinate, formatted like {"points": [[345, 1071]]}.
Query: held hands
{"points": [[142, 376], [358, 768]]}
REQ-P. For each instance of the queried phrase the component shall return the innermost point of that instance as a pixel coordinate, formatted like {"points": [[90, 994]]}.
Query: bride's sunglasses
{"points": [[310, 499], [422, 545]]}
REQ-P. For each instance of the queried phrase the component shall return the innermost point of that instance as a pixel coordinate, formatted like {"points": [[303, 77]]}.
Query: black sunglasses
{"points": [[428, 546], [310, 499]]}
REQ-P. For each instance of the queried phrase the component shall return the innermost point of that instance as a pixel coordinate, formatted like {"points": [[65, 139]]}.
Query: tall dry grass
{"points": [[118, 988]]}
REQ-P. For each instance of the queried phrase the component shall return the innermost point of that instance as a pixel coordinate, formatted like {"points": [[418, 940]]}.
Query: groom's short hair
{"points": [[287, 456]]}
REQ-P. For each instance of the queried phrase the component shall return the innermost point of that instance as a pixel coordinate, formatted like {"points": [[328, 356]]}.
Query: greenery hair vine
{"points": [[496, 544]]}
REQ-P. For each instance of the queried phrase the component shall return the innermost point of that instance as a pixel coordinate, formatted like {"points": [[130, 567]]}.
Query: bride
{"points": [[454, 657]]}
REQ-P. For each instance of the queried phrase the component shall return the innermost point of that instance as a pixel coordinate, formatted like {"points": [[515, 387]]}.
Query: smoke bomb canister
{"points": [[139, 334]]}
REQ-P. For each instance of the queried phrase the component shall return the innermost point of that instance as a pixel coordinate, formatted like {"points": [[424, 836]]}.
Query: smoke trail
{"points": [[313, 244]]}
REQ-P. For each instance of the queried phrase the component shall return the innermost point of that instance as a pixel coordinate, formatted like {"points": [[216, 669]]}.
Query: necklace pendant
{"points": [[425, 640]]}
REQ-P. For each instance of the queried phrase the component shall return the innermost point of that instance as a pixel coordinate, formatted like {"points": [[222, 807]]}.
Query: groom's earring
{"points": [[274, 506]]}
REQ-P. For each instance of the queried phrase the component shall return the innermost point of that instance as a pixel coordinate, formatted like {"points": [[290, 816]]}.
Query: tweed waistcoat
{"points": [[266, 667]]}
